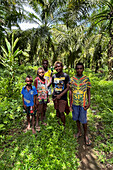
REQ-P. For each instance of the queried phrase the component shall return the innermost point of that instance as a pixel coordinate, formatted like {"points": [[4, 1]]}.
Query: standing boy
{"points": [[42, 97], [60, 82], [80, 100], [47, 75], [29, 99]]}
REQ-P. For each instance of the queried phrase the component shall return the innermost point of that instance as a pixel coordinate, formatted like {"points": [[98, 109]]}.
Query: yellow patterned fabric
{"points": [[79, 90], [47, 75]]}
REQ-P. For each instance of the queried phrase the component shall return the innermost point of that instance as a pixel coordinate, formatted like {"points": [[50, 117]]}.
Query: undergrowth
{"points": [[53, 147]]}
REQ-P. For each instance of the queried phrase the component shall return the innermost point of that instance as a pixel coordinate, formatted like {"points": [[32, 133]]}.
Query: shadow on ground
{"points": [[87, 156]]}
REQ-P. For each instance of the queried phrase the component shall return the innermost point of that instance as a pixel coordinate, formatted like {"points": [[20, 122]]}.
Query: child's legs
{"points": [[40, 110], [56, 108], [85, 129], [28, 116], [83, 119], [62, 116], [33, 121], [62, 107], [44, 110], [37, 119], [28, 120], [38, 114], [78, 127]]}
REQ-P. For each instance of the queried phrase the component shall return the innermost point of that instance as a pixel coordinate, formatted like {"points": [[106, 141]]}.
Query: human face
{"points": [[58, 68], [41, 73], [45, 64], [28, 81], [79, 70]]}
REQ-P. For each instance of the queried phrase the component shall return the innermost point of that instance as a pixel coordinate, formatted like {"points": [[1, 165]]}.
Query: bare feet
{"points": [[34, 132], [87, 141], [38, 128], [43, 123], [78, 135], [28, 127]]}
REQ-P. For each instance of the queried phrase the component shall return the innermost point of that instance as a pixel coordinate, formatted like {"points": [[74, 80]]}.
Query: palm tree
{"points": [[41, 39], [10, 15], [105, 17]]}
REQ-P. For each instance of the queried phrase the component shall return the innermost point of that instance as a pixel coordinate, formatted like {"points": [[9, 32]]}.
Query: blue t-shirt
{"points": [[29, 96]]}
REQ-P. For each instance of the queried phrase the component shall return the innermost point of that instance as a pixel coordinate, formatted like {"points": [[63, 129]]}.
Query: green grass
{"points": [[53, 148], [101, 117]]}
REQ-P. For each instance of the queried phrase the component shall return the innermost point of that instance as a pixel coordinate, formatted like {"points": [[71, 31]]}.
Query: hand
{"points": [[70, 108], [55, 97], [58, 97], [25, 107], [86, 107]]}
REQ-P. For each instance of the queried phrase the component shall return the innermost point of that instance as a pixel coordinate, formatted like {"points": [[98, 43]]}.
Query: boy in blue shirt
{"points": [[29, 94]]}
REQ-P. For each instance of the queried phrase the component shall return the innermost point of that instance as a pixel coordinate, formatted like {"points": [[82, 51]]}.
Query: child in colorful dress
{"points": [[29, 94], [42, 97], [79, 95]]}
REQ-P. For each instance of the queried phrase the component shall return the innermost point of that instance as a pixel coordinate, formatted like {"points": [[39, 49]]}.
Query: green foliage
{"points": [[101, 117], [52, 148]]}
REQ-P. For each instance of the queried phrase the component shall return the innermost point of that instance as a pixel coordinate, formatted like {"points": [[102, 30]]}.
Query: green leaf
{"points": [[17, 52], [4, 50], [8, 45], [1, 126], [13, 45]]}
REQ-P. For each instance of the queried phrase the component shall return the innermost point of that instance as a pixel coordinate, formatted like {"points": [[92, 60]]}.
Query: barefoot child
{"points": [[48, 77], [29, 99], [79, 94], [60, 82], [42, 97]]}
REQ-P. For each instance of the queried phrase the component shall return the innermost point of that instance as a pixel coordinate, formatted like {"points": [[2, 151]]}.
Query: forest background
{"points": [[69, 31]]}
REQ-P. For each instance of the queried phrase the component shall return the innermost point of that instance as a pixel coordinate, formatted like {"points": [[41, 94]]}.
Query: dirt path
{"points": [[87, 156]]}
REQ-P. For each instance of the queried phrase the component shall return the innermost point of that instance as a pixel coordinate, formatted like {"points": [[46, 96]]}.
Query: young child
{"points": [[47, 75], [79, 94], [29, 93], [42, 97], [60, 82]]}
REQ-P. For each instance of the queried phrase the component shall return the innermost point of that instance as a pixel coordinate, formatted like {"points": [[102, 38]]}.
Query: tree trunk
{"points": [[110, 58]]}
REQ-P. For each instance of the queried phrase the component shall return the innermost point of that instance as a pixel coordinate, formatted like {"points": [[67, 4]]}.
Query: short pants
{"points": [[79, 113], [60, 105], [28, 111]]}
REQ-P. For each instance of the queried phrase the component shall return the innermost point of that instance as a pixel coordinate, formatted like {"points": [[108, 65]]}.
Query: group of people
{"points": [[35, 98]]}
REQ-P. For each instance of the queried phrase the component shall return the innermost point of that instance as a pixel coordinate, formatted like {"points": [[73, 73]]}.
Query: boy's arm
{"points": [[89, 99], [50, 82], [23, 102], [35, 96], [35, 83], [70, 97]]}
